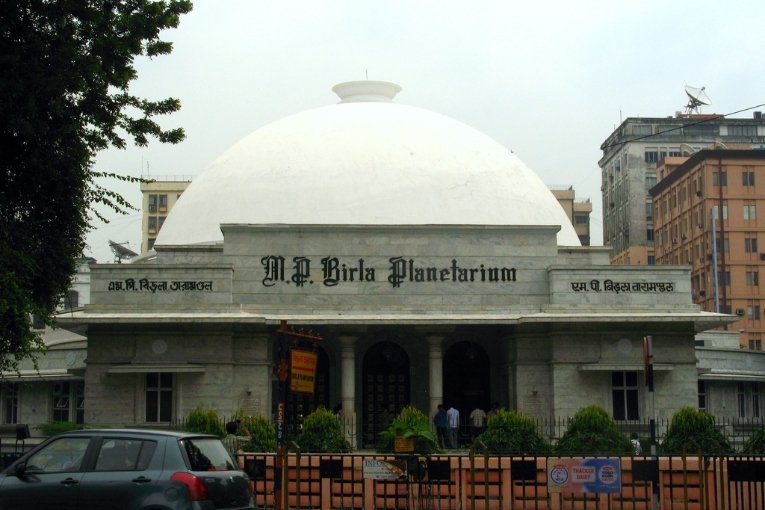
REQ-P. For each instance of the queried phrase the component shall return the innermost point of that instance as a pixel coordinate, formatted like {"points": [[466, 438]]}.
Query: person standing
{"points": [[441, 422], [477, 421], [453, 416]]}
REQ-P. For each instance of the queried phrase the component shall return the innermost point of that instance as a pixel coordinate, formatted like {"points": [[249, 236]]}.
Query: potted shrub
{"points": [[321, 433], [693, 430], [593, 432], [756, 443], [413, 424], [512, 432]]}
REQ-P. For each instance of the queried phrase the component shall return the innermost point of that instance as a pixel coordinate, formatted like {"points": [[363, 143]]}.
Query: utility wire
{"points": [[700, 121]]}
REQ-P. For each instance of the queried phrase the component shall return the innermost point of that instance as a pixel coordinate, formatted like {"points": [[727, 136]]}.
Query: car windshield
{"points": [[208, 454]]}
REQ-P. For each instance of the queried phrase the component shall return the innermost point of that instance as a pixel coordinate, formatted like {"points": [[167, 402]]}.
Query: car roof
{"points": [[137, 432]]}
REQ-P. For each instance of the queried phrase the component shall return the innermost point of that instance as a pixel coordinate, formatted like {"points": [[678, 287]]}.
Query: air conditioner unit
{"points": [[740, 312]]}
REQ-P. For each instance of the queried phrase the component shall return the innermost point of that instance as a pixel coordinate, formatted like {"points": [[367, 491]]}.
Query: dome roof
{"points": [[364, 161]]}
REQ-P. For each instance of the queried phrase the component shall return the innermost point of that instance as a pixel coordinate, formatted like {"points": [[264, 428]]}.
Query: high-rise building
{"points": [[709, 212], [631, 155], [578, 212], [159, 196]]}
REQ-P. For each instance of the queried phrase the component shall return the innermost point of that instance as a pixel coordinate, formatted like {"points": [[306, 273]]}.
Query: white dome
{"points": [[364, 161]]}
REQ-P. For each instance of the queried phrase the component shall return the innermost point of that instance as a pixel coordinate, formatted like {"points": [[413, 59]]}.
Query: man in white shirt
{"points": [[453, 415], [477, 421]]}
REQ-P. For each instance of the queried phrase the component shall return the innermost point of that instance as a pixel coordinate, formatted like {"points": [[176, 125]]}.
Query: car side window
{"points": [[61, 455], [122, 454]]}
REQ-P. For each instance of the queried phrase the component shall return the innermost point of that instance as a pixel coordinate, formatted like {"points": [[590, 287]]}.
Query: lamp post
{"points": [[284, 334]]}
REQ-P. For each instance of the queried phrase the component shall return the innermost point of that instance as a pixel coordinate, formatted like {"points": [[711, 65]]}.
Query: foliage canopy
{"points": [[513, 432], [693, 431], [64, 96], [593, 432]]}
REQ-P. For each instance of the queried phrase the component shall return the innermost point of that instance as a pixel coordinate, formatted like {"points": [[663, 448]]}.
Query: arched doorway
{"points": [[300, 405], [385, 388], [467, 380]]}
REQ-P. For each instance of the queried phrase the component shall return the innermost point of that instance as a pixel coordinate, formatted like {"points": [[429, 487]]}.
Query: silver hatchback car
{"points": [[126, 470]]}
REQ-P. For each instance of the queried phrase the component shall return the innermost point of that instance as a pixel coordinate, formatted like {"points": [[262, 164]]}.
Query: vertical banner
{"points": [[584, 475], [302, 370]]}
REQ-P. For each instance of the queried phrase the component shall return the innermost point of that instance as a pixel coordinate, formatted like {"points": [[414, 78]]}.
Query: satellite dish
{"points": [[696, 97], [121, 251], [686, 150]]}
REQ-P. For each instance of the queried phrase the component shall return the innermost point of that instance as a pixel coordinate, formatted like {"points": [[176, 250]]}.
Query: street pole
{"points": [[285, 334], [648, 370]]}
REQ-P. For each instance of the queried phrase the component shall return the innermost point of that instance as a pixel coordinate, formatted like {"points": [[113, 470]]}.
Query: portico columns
{"points": [[436, 371], [348, 387]]}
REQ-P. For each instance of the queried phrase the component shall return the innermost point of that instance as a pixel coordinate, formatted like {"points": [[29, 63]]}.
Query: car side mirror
{"points": [[20, 469]]}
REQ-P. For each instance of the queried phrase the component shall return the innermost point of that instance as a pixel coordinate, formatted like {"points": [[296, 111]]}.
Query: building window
{"points": [[747, 178], [642, 129], [651, 156], [9, 396], [750, 212], [741, 399], [624, 393], [160, 222], [755, 400], [752, 278], [159, 397], [72, 299], [581, 219], [750, 245], [651, 260], [68, 401], [755, 344], [723, 277], [151, 242], [719, 178], [753, 312], [742, 130], [152, 224], [152, 203], [649, 234], [702, 394], [716, 212], [162, 203]]}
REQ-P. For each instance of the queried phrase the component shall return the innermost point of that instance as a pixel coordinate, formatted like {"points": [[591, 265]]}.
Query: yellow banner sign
{"points": [[302, 371]]}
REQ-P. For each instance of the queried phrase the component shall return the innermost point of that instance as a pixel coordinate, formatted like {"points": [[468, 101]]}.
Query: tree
{"points": [[64, 96]]}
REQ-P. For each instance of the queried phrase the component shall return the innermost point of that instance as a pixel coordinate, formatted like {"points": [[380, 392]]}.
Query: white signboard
{"points": [[383, 469]]}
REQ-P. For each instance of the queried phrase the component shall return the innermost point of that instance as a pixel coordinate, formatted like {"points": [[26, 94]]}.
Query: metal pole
{"points": [[714, 259], [279, 470]]}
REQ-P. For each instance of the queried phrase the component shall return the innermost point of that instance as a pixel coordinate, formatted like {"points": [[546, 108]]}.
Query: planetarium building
{"points": [[434, 265]]}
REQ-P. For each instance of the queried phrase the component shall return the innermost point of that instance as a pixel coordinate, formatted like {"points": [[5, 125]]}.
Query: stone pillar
{"points": [[436, 371], [348, 387]]}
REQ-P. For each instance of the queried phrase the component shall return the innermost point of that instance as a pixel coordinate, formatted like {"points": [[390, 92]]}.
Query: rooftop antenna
{"points": [[696, 97], [121, 251]]}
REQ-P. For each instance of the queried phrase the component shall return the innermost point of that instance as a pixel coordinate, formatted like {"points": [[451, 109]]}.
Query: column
{"points": [[436, 371], [348, 387]]}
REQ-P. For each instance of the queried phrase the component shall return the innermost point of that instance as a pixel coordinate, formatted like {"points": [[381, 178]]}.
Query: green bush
{"points": [[411, 423], [692, 430], [756, 443], [321, 433], [262, 434], [593, 432], [513, 432], [204, 421], [57, 427]]}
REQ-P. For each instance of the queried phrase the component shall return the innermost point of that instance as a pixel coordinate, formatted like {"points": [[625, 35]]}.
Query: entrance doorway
{"points": [[467, 381], [385, 388]]}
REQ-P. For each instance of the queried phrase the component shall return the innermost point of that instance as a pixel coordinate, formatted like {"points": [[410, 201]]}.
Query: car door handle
{"points": [[69, 481], [141, 479]]}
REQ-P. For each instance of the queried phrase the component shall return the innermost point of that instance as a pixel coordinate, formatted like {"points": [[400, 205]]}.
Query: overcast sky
{"points": [[548, 80]]}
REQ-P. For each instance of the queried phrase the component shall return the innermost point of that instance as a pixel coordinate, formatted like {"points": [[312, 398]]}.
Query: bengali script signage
{"points": [[618, 287], [302, 370], [399, 271], [153, 286], [584, 475]]}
